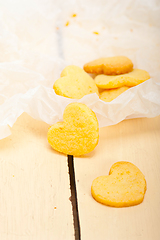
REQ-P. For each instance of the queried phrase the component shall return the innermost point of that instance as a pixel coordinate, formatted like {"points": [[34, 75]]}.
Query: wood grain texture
{"points": [[34, 186], [136, 141]]}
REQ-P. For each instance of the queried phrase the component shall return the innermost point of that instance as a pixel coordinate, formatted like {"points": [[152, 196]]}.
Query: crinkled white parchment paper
{"points": [[36, 44]]}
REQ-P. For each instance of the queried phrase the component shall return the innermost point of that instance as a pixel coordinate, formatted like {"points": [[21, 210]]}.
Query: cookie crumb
{"points": [[67, 23], [97, 33], [74, 15]]}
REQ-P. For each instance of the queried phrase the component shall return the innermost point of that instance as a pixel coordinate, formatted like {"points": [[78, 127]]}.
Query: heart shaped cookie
{"points": [[124, 186], [110, 65], [78, 134], [130, 79], [110, 94], [74, 83]]}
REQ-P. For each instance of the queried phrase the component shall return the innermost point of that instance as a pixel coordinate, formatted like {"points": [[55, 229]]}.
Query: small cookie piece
{"points": [[109, 95], [124, 186], [74, 83], [78, 134], [109, 65], [131, 79]]}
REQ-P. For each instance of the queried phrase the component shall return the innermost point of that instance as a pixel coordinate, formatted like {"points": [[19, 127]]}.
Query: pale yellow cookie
{"points": [[124, 186], [110, 94], [78, 134], [74, 83], [109, 65], [131, 79]]}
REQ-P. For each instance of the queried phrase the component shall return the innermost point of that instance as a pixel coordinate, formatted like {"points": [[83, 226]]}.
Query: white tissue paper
{"points": [[39, 38]]}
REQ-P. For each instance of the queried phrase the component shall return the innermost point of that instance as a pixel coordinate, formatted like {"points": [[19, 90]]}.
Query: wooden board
{"points": [[136, 141], [34, 186]]}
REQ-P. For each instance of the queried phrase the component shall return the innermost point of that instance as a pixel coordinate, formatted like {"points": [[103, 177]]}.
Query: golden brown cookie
{"points": [[131, 79], [124, 186], [110, 94], [109, 65], [78, 134], [74, 83]]}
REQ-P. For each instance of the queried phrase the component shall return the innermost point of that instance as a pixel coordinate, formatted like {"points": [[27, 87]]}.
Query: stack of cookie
{"points": [[114, 75], [78, 134]]}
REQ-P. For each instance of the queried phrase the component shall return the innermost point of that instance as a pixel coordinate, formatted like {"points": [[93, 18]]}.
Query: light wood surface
{"points": [[34, 186], [136, 141]]}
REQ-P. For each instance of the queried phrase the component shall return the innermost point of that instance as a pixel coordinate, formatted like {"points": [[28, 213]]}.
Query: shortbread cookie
{"points": [[74, 83], [78, 134], [124, 186], [110, 94], [109, 65], [131, 79]]}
